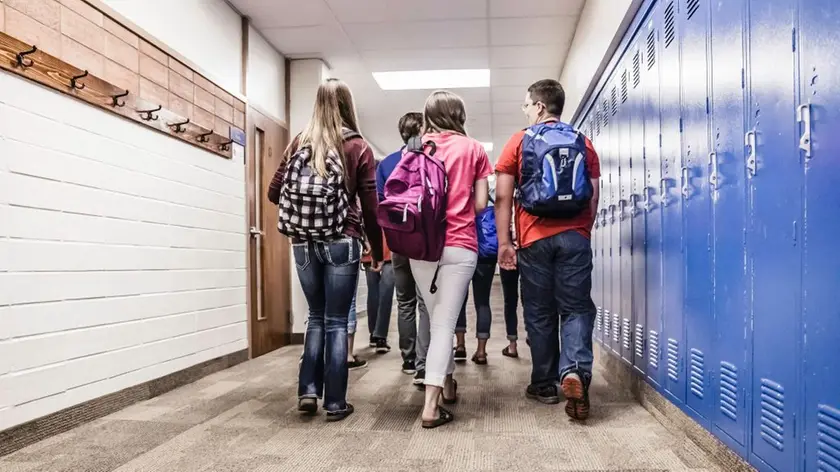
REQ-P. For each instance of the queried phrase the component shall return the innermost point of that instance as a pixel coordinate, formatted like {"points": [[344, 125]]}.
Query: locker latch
{"points": [[663, 191], [749, 141], [621, 205], [648, 203], [603, 217], [686, 185], [713, 176], [803, 115], [634, 202], [612, 214]]}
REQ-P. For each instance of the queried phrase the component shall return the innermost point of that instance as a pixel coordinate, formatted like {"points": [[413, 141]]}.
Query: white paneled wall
{"points": [[266, 76], [122, 253]]}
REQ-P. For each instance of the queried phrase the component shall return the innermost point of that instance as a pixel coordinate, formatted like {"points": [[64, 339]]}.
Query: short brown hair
{"points": [[445, 111], [411, 125], [550, 93]]}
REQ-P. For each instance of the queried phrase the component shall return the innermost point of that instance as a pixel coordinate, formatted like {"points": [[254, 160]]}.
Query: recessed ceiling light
{"points": [[488, 146], [433, 79]]}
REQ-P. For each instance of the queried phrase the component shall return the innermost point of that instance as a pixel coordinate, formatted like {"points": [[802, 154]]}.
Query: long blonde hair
{"points": [[445, 111], [334, 110]]}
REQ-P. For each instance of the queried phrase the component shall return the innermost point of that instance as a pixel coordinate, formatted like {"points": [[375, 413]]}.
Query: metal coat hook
{"points": [[225, 146], [22, 59], [116, 100], [179, 127], [74, 79], [148, 115], [204, 138]]}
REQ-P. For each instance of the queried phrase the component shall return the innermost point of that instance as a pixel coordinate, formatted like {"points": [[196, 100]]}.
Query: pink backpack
{"points": [[413, 213]]}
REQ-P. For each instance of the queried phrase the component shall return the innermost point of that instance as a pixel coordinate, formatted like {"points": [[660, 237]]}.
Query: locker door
{"points": [[615, 241], [636, 213], [672, 340], [624, 221], [820, 54], [607, 172], [775, 213], [697, 206], [731, 309], [653, 210], [597, 143], [597, 274]]}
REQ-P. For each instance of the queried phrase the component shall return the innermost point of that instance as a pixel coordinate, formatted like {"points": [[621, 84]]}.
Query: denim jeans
{"points": [[560, 265], [414, 339], [510, 292], [482, 285], [380, 300], [328, 273], [352, 318]]}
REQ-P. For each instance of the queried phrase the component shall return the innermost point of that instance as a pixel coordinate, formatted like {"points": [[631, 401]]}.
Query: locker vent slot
{"points": [[691, 7], [653, 350], [637, 73], [607, 325], [640, 341], [598, 123], [773, 413], [651, 49], [598, 320], [616, 326], [614, 96], [605, 112], [698, 372], [624, 86], [729, 390], [828, 439], [673, 359], [625, 334], [670, 28]]}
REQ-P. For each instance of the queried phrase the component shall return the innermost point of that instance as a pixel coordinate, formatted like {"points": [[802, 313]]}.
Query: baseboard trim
{"points": [[623, 375], [18, 437]]}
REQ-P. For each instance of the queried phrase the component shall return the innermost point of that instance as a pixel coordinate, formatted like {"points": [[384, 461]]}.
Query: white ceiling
{"points": [[520, 41]]}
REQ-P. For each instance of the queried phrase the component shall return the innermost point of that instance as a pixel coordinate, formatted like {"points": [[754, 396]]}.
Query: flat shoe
{"points": [[308, 406], [340, 414], [444, 416]]}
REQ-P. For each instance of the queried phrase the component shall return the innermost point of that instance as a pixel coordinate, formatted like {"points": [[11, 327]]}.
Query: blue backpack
{"points": [[485, 225], [554, 179]]}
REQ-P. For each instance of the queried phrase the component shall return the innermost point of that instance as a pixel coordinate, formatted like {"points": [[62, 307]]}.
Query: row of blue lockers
{"points": [[717, 248]]}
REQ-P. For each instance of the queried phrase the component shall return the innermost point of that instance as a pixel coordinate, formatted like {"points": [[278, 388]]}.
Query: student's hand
{"points": [[507, 257], [376, 266], [366, 249]]}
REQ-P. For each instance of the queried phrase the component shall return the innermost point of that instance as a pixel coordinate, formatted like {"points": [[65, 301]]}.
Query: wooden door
{"points": [[269, 300]]}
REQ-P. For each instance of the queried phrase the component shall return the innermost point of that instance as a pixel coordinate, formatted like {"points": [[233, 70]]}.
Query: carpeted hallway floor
{"points": [[244, 419]]}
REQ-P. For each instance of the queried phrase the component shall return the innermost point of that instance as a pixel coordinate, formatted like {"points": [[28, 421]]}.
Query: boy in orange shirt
{"points": [[554, 257]]}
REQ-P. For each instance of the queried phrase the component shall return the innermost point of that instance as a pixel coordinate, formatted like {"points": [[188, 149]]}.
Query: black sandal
{"points": [[479, 360], [444, 416], [506, 352], [450, 401]]}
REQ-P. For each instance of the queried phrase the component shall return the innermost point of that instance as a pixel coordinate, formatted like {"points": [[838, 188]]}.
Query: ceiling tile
{"points": [[418, 35], [527, 56], [376, 11], [507, 107], [526, 31], [284, 13], [508, 94], [521, 76], [314, 41], [427, 59], [535, 8]]}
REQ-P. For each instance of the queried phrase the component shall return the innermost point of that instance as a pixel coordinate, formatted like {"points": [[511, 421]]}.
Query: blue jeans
{"points": [[560, 265], [351, 318], [380, 300], [482, 285], [510, 292], [328, 273]]}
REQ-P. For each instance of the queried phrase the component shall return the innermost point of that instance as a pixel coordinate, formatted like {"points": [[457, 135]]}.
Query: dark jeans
{"points": [[482, 284], [414, 341], [328, 274], [510, 292], [560, 265], [380, 287]]}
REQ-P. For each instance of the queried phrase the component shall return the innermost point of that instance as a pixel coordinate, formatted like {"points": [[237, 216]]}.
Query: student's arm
{"points": [[366, 190], [380, 180], [593, 163], [483, 169], [596, 195], [506, 170], [482, 194]]}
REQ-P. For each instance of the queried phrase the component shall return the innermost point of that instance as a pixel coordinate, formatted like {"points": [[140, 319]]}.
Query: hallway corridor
{"points": [[245, 419]]}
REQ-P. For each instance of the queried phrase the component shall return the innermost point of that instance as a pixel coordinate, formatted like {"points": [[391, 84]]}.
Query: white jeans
{"points": [[457, 266]]}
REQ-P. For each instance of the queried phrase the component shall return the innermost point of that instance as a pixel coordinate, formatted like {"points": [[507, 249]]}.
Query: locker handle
{"points": [[750, 141], [803, 115], [612, 214], [713, 177], [663, 191], [621, 205], [604, 217], [686, 185], [648, 204], [634, 201]]}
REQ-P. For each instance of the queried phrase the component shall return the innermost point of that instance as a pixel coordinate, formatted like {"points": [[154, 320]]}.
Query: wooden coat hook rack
{"points": [[30, 62]]}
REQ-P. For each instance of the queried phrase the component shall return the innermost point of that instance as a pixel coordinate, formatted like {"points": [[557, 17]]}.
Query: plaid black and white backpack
{"points": [[312, 207]]}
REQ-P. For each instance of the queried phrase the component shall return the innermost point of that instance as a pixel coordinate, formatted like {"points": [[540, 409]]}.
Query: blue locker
{"points": [[819, 115], [636, 213], [597, 241], [728, 182], [624, 223], [653, 209], [672, 344], [609, 172], [773, 233], [697, 207], [615, 241]]}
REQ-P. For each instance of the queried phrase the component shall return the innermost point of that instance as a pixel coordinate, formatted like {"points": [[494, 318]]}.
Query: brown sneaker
{"points": [[577, 397]]}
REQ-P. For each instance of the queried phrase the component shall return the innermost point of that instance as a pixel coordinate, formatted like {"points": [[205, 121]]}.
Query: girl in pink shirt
{"points": [[467, 168]]}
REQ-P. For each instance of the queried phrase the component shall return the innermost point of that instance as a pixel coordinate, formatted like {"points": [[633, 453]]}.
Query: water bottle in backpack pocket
{"points": [[413, 212], [554, 178]]}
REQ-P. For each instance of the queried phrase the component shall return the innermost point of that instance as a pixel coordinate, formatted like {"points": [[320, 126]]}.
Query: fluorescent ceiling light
{"points": [[488, 147], [433, 79]]}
